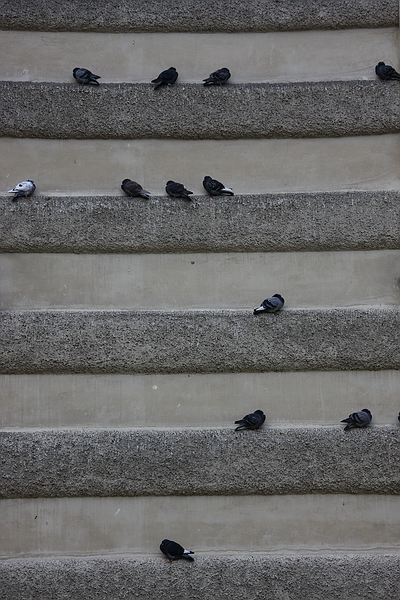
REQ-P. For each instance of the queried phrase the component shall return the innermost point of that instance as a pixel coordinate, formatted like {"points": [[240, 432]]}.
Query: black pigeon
{"points": [[85, 76], [358, 419], [398, 416], [24, 188], [215, 188], [167, 77], [177, 190], [175, 551], [270, 305], [134, 189], [219, 77], [252, 421], [386, 72]]}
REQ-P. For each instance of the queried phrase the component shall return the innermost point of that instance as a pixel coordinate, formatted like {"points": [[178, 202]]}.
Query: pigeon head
{"points": [[126, 181], [168, 182], [366, 411], [381, 64], [277, 296], [173, 68]]}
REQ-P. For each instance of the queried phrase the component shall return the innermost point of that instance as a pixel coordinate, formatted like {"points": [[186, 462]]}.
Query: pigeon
{"points": [[25, 188], [175, 551], [358, 419], [398, 416], [134, 189], [177, 190], [215, 188], [386, 72], [219, 77], [167, 77], [85, 76], [270, 305], [252, 421]]}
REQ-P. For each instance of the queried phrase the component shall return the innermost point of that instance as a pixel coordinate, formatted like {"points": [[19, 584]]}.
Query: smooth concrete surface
{"points": [[189, 111], [179, 281], [247, 576], [202, 341], [289, 399], [265, 223], [225, 15], [97, 167], [42, 527], [256, 57], [194, 462]]}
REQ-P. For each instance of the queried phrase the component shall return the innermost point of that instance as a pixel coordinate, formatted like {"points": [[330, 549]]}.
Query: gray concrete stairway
{"points": [[128, 341]]}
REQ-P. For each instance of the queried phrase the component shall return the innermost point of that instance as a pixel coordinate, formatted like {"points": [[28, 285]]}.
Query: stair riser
{"points": [[308, 523], [193, 462], [179, 281], [216, 577], [267, 223], [97, 167], [198, 341], [312, 398]]}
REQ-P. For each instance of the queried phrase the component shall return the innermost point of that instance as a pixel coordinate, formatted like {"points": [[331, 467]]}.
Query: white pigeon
{"points": [[24, 188]]}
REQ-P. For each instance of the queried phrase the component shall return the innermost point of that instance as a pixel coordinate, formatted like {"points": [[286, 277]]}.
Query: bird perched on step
{"points": [[215, 188], [85, 76], [270, 305], [24, 188], [219, 77], [358, 419], [134, 189], [386, 72], [177, 190], [167, 77], [251, 421], [175, 551]]}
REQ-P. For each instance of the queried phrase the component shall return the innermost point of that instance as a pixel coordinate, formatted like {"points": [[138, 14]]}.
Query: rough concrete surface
{"points": [[190, 111], [263, 223], [211, 16], [198, 341], [140, 462], [250, 577]]}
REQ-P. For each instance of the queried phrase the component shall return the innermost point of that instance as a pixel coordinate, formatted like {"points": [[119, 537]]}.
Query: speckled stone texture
{"points": [[203, 341], [248, 577], [189, 111], [265, 223], [210, 16], [165, 462]]}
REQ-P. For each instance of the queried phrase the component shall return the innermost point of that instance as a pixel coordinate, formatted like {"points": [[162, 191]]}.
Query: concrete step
{"points": [[256, 57], [225, 16], [198, 281], [203, 341], [314, 398], [97, 167], [199, 462], [351, 576], [266, 223], [190, 111], [43, 527]]}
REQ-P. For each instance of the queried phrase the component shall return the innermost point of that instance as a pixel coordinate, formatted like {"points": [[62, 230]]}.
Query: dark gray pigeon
{"points": [[386, 72], [177, 190], [134, 189], [215, 188], [219, 77], [25, 188], [167, 77], [85, 76], [252, 421], [398, 416], [358, 419], [270, 305], [175, 551]]}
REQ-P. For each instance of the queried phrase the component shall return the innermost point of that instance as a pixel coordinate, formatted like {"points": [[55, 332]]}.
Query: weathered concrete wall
{"points": [[267, 223], [321, 109], [198, 341], [210, 16], [324, 577], [140, 462]]}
